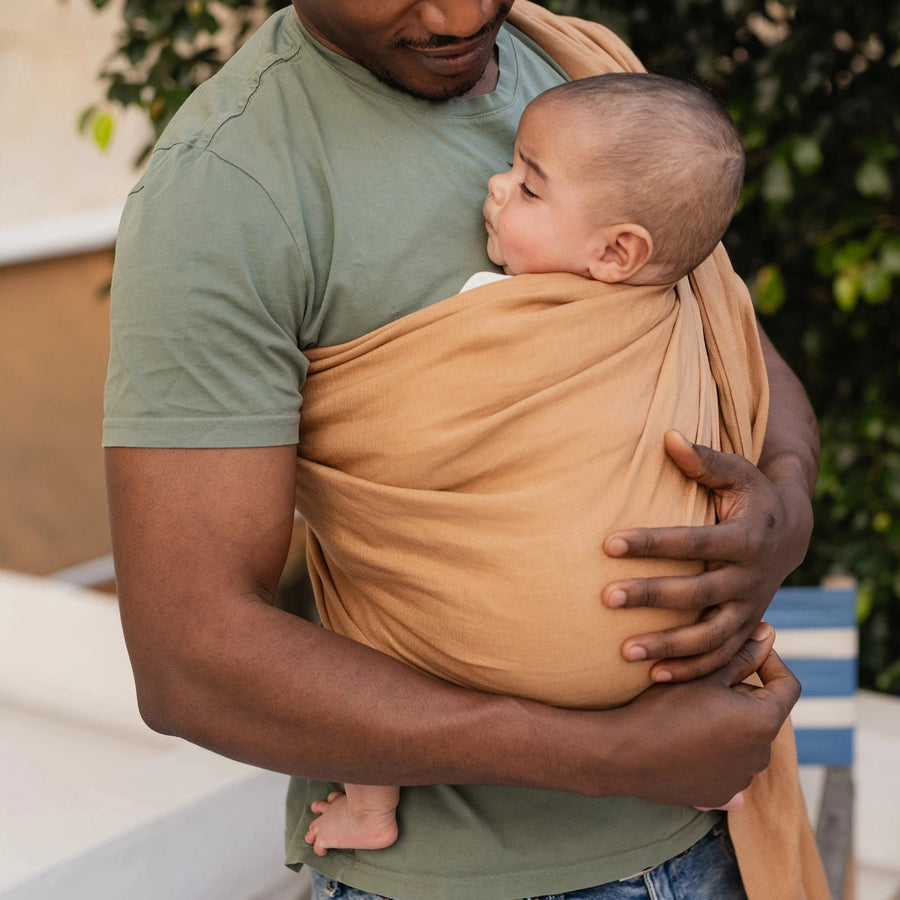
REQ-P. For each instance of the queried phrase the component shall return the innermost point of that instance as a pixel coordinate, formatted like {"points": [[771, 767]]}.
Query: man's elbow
{"points": [[164, 700], [157, 707]]}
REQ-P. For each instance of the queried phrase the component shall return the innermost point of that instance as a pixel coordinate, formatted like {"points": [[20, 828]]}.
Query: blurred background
{"points": [[89, 84]]}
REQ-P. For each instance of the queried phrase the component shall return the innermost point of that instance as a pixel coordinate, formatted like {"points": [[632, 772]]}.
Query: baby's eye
{"points": [[526, 191]]}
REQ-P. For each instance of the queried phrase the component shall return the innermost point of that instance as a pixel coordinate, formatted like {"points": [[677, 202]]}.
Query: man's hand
{"points": [[716, 731], [762, 535]]}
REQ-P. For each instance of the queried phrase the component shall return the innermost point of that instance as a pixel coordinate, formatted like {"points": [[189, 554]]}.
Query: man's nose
{"points": [[458, 18]]}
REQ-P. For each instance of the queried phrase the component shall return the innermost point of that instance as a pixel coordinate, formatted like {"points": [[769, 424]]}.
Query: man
{"points": [[345, 150]]}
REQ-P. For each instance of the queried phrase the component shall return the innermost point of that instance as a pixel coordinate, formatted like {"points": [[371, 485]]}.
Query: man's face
{"points": [[436, 49], [537, 215]]}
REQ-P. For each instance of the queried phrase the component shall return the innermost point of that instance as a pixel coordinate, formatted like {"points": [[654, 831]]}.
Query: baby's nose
{"points": [[495, 188]]}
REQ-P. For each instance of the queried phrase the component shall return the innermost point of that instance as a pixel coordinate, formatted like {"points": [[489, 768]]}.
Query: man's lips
{"points": [[455, 59]]}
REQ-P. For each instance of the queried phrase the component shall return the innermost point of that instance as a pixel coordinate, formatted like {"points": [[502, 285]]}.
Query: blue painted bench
{"points": [[816, 635]]}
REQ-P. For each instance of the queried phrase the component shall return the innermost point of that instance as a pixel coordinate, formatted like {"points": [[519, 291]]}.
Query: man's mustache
{"points": [[436, 41]]}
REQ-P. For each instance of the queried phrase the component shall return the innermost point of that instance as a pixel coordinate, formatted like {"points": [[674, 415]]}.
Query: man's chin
{"points": [[436, 93]]}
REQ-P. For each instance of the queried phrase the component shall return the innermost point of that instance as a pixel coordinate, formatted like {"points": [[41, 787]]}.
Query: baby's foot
{"points": [[340, 826]]}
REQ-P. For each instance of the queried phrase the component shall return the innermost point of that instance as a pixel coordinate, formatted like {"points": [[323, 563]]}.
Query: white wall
{"points": [[56, 184]]}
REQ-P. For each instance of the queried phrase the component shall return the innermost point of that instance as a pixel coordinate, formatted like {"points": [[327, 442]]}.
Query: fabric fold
{"points": [[460, 467]]}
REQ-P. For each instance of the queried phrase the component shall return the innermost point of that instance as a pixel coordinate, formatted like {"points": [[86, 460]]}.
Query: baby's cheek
{"points": [[493, 251]]}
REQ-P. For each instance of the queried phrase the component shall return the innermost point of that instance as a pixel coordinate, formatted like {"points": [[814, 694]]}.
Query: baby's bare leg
{"points": [[362, 818]]}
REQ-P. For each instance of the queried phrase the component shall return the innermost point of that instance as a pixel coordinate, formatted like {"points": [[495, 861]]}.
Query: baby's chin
{"points": [[497, 259]]}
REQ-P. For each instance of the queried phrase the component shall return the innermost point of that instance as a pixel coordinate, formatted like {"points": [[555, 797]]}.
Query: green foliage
{"points": [[100, 123], [814, 90], [165, 49]]}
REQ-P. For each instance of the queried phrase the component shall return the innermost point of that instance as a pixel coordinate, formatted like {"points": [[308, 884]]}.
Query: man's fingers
{"points": [[690, 668], [778, 679], [718, 627], [751, 658], [711, 588], [712, 468], [724, 542]]}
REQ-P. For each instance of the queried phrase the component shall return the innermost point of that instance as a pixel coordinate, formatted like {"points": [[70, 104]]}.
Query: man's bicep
{"points": [[194, 532]]}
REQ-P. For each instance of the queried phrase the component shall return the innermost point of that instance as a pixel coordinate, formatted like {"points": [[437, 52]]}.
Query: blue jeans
{"points": [[706, 871]]}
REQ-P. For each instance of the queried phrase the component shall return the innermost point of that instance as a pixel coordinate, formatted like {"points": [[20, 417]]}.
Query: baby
{"points": [[618, 178]]}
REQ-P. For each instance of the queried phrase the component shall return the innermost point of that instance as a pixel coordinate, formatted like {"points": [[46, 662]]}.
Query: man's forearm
{"points": [[275, 691], [280, 693], [259, 685]]}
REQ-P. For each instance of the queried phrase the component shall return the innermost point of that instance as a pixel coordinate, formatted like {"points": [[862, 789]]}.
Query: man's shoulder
{"points": [[231, 94]]}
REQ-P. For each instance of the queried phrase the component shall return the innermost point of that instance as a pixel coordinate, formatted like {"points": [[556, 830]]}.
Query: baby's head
{"points": [[624, 177]]}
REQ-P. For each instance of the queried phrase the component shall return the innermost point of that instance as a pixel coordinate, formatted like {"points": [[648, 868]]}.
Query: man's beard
{"points": [[450, 93], [438, 41]]}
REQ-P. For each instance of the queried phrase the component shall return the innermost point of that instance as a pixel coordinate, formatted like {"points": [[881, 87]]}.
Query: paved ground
{"points": [[877, 778]]}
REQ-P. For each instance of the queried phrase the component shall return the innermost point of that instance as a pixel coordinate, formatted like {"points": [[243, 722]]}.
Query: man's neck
{"points": [[489, 78]]}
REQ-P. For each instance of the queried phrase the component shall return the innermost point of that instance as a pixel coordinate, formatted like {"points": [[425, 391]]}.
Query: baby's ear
{"points": [[621, 252]]}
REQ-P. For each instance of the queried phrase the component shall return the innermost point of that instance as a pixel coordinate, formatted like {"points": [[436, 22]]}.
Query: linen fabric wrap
{"points": [[459, 467]]}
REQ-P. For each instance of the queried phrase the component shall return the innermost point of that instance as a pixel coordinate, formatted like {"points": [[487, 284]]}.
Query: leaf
{"points": [[846, 291], [864, 602], [124, 92], [86, 117], [872, 179], [806, 154], [777, 186], [157, 108], [881, 521], [889, 679], [769, 291], [875, 284], [851, 255], [873, 427], [103, 130], [889, 257]]}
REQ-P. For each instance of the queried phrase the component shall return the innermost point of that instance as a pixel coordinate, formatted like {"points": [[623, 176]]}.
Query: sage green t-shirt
{"points": [[296, 201]]}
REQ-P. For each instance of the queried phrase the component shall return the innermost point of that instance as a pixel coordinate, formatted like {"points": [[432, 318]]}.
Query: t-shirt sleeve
{"points": [[208, 293]]}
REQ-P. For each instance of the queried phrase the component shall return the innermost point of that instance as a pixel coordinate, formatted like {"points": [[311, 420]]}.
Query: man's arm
{"points": [[790, 453], [765, 523], [200, 538]]}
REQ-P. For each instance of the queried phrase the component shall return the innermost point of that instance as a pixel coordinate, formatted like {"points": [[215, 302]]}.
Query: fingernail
{"points": [[616, 599], [617, 547], [662, 675], [763, 631], [635, 654]]}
